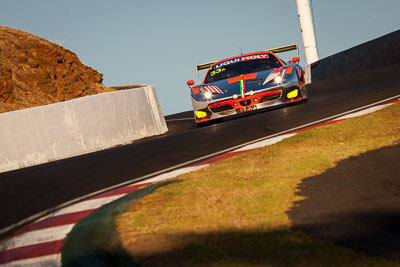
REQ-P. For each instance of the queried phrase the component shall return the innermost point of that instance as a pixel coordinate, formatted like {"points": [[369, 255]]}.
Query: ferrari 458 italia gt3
{"points": [[245, 83]]}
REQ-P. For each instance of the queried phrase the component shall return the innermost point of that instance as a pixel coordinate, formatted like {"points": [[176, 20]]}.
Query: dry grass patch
{"points": [[233, 213]]}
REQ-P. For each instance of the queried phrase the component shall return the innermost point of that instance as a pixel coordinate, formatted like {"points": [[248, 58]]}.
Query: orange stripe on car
{"points": [[289, 70], [242, 77]]}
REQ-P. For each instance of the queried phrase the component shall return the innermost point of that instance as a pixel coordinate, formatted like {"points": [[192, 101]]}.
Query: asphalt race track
{"points": [[29, 191]]}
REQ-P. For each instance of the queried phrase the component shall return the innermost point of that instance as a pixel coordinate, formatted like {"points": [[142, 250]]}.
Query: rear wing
{"points": [[284, 49], [204, 66], [274, 50]]}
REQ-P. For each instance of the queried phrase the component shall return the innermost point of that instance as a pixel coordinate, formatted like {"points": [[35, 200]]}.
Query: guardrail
{"points": [[87, 124]]}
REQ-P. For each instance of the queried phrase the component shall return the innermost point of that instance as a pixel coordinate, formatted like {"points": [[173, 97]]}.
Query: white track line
{"points": [[264, 143], [173, 174], [363, 112], [87, 205]]}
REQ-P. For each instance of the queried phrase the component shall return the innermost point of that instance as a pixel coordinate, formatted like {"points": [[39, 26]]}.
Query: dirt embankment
{"points": [[34, 72]]}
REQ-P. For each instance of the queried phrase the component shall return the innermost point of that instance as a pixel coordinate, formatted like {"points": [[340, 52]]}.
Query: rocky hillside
{"points": [[34, 72]]}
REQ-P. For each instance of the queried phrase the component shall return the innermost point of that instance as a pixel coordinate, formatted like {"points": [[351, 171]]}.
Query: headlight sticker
{"points": [[212, 89]]}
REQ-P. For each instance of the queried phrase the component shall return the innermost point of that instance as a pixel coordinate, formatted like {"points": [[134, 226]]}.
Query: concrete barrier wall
{"points": [[41, 134], [376, 53]]}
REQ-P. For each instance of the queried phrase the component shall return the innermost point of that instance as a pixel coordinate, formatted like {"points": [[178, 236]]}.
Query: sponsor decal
{"points": [[228, 62], [254, 57], [242, 78], [240, 59], [212, 89], [242, 87], [217, 71]]}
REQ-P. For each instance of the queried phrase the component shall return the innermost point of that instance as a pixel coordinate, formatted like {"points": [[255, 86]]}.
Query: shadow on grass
{"points": [[94, 241], [375, 233], [232, 248], [356, 204], [238, 248]]}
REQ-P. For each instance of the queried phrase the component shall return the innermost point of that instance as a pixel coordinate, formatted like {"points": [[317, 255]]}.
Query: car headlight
{"points": [[278, 79], [207, 95]]}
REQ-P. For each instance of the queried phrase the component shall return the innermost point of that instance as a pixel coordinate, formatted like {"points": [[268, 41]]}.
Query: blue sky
{"points": [[160, 42]]}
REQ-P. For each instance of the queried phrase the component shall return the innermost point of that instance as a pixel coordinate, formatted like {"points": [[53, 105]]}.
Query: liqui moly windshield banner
{"points": [[240, 59]]}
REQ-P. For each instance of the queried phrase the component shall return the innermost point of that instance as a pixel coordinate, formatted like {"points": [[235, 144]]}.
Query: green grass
{"points": [[233, 213]]}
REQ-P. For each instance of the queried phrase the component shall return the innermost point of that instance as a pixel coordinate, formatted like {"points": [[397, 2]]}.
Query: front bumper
{"points": [[210, 110]]}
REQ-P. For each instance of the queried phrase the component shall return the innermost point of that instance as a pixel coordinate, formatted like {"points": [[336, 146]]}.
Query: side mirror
{"points": [[190, 83], [296, 59]]}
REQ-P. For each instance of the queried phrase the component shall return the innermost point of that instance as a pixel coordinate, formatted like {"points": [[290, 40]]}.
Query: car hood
{"points": [[262, 80]]}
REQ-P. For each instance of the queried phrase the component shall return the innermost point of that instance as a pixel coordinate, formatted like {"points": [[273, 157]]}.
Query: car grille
{"points": [[221, 108], [269, 98], [245, 102]]}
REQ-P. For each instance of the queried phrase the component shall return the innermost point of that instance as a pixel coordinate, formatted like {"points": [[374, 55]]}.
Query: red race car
{"points": [[245, 83]]}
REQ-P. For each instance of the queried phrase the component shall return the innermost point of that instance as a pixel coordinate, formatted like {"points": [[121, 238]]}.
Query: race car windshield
{"points": [[236, 67]]}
